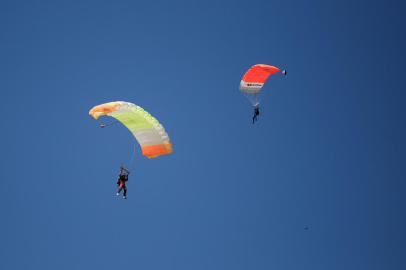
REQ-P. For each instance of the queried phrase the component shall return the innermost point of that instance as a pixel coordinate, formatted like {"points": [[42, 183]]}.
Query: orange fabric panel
{"points": [[152, 151], [259, 73], [104, 109]]}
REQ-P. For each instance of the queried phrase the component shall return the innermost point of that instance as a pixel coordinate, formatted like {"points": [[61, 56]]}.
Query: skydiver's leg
{"points": [[120, 187], [125, 192]]}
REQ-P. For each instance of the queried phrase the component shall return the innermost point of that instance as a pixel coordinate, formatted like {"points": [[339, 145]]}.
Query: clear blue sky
{"points": [[328, 152]]}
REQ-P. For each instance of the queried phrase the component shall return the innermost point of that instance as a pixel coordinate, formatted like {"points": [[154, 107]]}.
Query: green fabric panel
{"points": [[135, 118]]}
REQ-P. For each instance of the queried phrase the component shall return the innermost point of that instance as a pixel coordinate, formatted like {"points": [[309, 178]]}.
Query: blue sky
{"points": [[327, 153]]}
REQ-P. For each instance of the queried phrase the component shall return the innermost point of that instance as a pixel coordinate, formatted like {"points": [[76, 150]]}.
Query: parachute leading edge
{"points": [[149, 133]]}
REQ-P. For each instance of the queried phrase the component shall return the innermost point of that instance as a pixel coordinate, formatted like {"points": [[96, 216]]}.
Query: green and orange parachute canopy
{"points": [[149, 133]]}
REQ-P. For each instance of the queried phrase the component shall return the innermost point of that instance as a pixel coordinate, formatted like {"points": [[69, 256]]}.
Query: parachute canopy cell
{"points": [[149, 133], [255, 78]]}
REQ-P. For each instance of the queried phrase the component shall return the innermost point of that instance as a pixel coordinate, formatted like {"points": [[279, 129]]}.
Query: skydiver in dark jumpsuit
{"points": [[122, 179], [256, 114]]}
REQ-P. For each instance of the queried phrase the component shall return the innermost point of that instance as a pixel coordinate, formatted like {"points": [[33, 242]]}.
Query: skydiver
{"points": [[256, 113], [122, 179]]}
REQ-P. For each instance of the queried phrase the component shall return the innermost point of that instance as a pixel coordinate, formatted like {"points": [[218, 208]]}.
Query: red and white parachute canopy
{"points": [[255, 78]]}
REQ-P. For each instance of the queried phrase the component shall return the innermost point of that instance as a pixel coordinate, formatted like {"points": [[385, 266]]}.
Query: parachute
{"points": [[254, 79], [149, 133]]}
